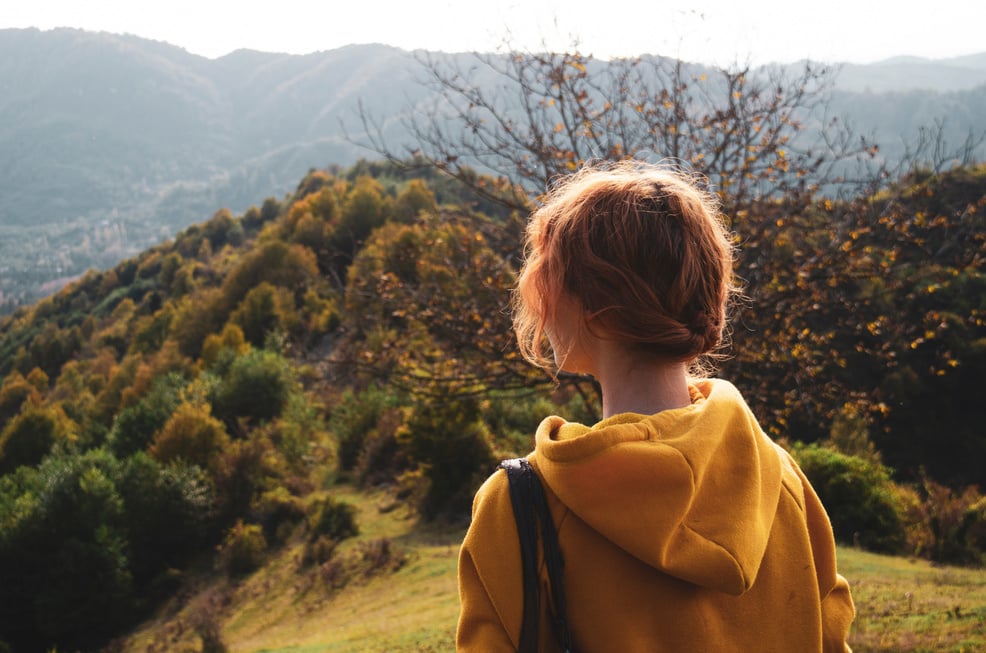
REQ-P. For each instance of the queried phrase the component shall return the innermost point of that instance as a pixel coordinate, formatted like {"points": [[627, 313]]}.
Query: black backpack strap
{"points": [[520, 490], [554, 563], [531, 506]]}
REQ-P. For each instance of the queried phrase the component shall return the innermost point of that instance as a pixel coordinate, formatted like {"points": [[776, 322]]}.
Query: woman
{"points": [[681, 525]]}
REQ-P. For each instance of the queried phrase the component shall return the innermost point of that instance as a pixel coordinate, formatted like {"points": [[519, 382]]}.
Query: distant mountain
{"points": [[111, 143], [914, 73]]}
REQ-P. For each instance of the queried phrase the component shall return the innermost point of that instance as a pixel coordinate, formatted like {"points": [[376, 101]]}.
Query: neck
{"points": [[632, 384]]}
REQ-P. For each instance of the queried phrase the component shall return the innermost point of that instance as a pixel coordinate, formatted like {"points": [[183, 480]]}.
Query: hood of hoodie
{"points": [[691, 491]]}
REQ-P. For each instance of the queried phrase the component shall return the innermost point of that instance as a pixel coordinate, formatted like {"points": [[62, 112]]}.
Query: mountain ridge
{"points": [[97, 128]]}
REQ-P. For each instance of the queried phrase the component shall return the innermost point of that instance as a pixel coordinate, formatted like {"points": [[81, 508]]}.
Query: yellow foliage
{"points": [[231, 338], [191, 434]]}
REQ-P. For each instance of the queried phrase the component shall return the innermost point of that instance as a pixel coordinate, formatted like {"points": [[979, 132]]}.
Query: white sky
{"points": [[710, 31]]}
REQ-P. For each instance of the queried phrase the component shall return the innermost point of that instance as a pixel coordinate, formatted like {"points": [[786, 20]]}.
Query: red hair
{"points": [[641, 248]]}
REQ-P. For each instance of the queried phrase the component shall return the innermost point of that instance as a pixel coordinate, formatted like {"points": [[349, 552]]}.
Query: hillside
{"points": [[110, 144], [242, 393], [902, 605], [409, 604]]}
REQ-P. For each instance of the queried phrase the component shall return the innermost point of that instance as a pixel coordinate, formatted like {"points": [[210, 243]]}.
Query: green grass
{"points": [[902, 605], [911, 605], [286, 608]]}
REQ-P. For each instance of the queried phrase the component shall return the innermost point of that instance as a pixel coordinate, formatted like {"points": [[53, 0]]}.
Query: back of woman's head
{"points": [[641, 249]]}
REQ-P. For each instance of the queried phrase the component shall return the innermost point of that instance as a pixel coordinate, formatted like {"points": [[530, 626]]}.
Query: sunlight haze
{"points": [[712, 31]]}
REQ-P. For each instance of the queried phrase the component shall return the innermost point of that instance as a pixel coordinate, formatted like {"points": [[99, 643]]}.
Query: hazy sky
{"points": [[711, 31]]}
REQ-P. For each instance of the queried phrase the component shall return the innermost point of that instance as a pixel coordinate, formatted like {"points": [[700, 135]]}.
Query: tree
{"points": [[365, 208], [830, 279], [256, 386], [529, 117], [451, 445], [191, 435], [64, 576], [428, 303], [30, 435], [265, 308], [134, 427]]}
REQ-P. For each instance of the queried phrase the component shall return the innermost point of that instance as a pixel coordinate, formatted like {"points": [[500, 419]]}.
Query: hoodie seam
{"points": [[729, 554]]}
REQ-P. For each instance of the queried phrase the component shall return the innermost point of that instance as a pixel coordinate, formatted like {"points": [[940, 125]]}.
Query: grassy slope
{"points": [[909, 605], [903, 605]]}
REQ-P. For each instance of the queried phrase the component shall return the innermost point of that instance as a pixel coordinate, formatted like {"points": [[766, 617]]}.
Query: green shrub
{"points": [[354, 418], [382, 458], [134, 427], [861, 500], [301, 433], [14, 391], [264, 309], [168, 514], [334, 519], [65, 580], [277, 510], [257, 386], [513, 420], [451, 445]]}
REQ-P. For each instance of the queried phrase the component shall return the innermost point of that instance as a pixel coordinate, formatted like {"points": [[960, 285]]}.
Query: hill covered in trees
{"points": [[110, 144], [193, 407]]}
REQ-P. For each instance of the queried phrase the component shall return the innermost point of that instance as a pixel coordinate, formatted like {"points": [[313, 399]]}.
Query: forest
{"points": [[194, 407]]}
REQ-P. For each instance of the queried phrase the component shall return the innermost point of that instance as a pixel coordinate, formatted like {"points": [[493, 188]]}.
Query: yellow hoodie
{"points": [[688, 530]]}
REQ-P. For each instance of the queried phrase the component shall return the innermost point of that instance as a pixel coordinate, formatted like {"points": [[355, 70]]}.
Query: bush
{"points": [[220, 347], [191, 434], [242, 550], [451, 444], [318, 551], [382, 459], [334, 519], [513, 421], [13, 393], [300, 433], [244, 470], [264, 309], [277, 263], [206, 621], [257, 386], [134, 427], [29, 436], [277, 510], [64, 571], [952, 523], [168, 512], [380, 555], [862, 502], [354, 418]]}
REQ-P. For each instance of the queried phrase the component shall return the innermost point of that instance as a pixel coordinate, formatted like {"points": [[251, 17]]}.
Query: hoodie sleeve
{"points": [[490, 574], [838, 610]]}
